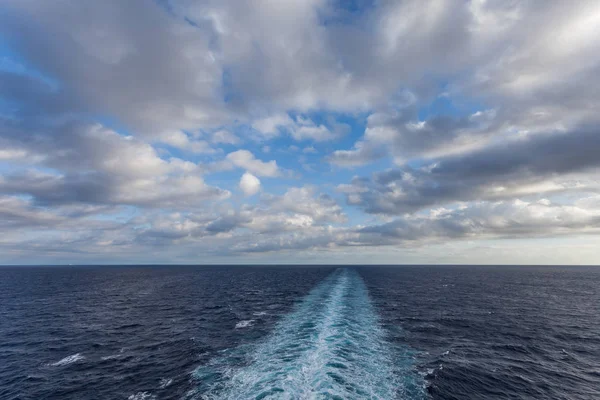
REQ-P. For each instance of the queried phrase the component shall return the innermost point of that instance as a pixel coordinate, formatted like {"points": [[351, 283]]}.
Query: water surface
{"points": [[277, 332]]}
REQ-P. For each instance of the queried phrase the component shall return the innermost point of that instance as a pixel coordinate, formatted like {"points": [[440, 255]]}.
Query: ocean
{"points": [[300, 332]]}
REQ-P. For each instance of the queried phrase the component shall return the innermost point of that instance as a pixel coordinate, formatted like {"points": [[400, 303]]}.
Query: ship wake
{"points": [[331, 346]]}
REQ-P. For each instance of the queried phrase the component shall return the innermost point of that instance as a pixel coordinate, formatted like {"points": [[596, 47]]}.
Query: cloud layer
{"points": [[213, 131]]}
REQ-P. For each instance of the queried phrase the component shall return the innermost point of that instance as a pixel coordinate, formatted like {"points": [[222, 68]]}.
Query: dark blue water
{"points": [[300, 332]]}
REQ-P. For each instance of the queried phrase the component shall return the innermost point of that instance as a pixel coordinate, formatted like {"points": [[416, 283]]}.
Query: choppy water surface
{"points": [[300, 332]]}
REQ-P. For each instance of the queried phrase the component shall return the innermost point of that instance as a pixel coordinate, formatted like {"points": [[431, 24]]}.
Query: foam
{"points": [[259, 313], [142, 396], [244, 324], [330, 345], [164, 382], [68, 360]]}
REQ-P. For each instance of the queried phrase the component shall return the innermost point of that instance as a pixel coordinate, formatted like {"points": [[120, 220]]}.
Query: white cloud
{"points": [[318, 133], [269, 127], [299, 128], [12, 154], [304, 200], [225, 137], [249, 184], [362, 153], [246, 160], [182, 141]]}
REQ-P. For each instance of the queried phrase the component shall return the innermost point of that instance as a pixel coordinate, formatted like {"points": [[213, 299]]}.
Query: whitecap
{"points": [[164, 382], [68, 360], [142, 396], [244, 324], [259, 313]]}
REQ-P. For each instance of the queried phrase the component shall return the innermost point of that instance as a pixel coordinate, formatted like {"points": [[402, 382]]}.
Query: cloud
{"points": [[400, 134], [274, 223], [245, 159], [226, 60], [225, 137], [13, 154], [306, 129], [153, 72], [509, 219], [484, 113], [362, 153], [537, 164], [92, 164], [304, 200], [228, 222], [181, 141], [316, 133], [297, 210], [299, 128], [249, 184], [18, 213], [270, 127]]}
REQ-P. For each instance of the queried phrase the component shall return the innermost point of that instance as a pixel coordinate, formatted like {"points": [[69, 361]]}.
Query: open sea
{"points": [[291, 332]]}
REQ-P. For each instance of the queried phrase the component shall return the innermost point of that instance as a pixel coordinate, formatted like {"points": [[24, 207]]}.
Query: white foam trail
{"points": [[330, 346], [68, 360], [259, 313], [111, 357], [244, 324], [164, 382], [142, 396]]}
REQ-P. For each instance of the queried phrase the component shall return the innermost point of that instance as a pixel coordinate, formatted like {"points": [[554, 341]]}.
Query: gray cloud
{"points": [[517, 167], [267, 57], [276, 57], [298, 212], [132, 60], [91, 164], [513, 219], [227, 223], [400, 134]]}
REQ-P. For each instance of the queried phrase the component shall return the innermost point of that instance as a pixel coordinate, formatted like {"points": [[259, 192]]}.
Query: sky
{"points": [[299, 131]]}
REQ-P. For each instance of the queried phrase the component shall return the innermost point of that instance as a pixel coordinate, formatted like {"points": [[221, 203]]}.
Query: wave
{"points": [[142, 396], [68, 360], [111, 357], [259, 313], [165, 382], [330, 346], [244, 324]]}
